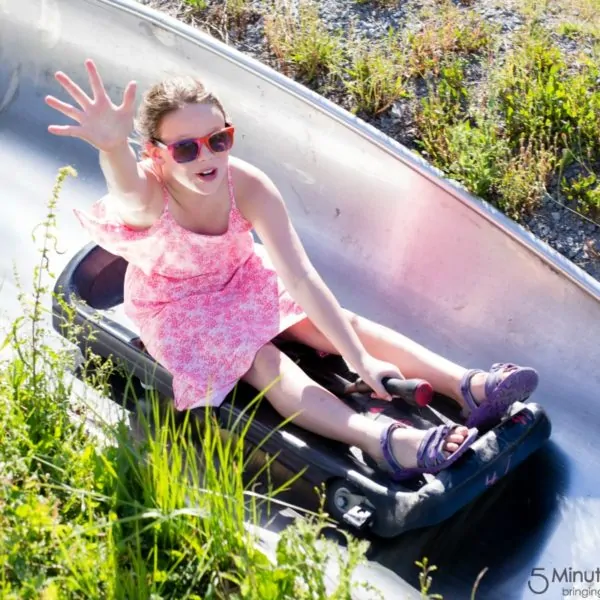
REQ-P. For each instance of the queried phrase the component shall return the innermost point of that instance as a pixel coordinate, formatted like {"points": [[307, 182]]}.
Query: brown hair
{"points": [[169, 95]]}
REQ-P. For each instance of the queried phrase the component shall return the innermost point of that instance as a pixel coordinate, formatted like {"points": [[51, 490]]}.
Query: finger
{"points": [[96, 82], [76, 92], [394, 373], [379, 392], [64, 108], [451, 447], [65, 130], [129, 96]]}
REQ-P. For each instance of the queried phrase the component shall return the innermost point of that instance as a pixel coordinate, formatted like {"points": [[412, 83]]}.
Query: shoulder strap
{"points": [[230, 186]]}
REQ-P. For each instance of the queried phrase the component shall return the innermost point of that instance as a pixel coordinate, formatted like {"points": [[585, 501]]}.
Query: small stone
{"points": [[556, 216]]}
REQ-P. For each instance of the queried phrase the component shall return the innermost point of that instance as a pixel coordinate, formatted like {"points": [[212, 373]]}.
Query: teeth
{"points": [[210, 171]]}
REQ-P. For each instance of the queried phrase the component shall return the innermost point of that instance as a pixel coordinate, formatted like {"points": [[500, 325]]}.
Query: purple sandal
{"points": [[431, 456], [500, 393]]}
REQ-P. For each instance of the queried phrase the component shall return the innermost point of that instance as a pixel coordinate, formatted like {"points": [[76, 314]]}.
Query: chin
{"points": [[205, 187]]}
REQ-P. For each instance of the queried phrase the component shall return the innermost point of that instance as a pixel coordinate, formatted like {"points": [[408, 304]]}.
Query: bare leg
{"points": [[294, 394], [413, 360]]}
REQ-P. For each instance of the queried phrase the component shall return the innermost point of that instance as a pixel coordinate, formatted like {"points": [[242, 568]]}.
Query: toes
{"points": [[458, 435], [451, 447], [455, 439]]}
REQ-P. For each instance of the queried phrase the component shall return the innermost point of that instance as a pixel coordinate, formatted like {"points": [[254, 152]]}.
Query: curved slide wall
{"points": [[393, 240]]}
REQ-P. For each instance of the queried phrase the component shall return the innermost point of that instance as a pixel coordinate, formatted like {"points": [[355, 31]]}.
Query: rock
{"points": [[543, 230], [556, 216]]}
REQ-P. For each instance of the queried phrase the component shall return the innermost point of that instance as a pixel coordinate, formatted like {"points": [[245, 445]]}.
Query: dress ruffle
{"points": [[108, 230]]}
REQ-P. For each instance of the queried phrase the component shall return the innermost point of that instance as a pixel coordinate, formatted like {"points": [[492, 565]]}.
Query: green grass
{"points": [[540, 98], [584, 192], [377, 74], [302, 45], [446, 33], [579, 31], [581, 19], [537, 116], [198, 4]]}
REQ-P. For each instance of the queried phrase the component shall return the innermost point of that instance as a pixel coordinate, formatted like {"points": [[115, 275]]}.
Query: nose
{"points": [[204, 151]]}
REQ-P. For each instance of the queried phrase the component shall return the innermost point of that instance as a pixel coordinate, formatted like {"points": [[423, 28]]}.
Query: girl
{"points": [[208, 301]]}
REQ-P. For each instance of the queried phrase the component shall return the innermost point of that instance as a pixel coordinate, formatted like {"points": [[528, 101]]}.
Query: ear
{"points": [[153, 152]]}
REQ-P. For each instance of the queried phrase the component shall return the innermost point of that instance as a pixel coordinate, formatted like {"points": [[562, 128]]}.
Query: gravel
{"points": [[574, 236]]}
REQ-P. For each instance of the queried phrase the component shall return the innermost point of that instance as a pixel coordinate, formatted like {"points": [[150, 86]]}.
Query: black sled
{"points": [[359, 496]]}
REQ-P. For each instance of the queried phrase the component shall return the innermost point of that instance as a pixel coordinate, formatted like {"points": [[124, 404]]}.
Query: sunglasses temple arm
{"points": [[159, 144]]}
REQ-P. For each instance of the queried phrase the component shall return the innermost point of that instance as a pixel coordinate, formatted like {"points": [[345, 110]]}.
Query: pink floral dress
{"points": [[204, 304]]}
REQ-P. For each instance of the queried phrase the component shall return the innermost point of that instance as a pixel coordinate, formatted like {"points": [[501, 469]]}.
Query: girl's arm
{"points": [[106, 126], [134, 192], [120, 168], [265, 209]]}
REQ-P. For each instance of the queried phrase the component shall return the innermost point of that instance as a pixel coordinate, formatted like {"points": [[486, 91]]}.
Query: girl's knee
{"points": [[266, 360]]}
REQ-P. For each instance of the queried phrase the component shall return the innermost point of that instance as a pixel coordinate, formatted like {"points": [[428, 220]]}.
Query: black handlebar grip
{"points": [[413, 391], [416, 392]]}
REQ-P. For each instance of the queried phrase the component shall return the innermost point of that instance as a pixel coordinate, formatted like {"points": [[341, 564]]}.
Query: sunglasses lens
{"points": [[220, 141], [185, 151]]}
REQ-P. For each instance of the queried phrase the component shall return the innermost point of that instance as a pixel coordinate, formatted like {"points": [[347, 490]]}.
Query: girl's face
{"points": [[204, 174]]}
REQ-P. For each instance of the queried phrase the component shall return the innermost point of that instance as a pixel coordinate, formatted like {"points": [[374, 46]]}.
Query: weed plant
{"points": [[301, 43]]}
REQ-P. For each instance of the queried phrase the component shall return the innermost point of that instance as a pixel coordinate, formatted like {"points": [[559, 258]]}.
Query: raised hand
{"points": [[102, 124]]}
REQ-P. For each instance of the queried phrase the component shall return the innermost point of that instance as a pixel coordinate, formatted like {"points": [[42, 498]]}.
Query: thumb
{"points": [[378, 390]]}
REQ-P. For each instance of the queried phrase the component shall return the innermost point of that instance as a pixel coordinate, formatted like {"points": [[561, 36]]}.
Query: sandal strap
{"points": [[496, 375], [465, 388], [431, 452], [431, 455], [504, 367], [386, 445]]}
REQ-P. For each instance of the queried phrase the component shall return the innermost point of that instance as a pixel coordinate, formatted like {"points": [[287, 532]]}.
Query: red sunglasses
{"points": [[185, 151]]}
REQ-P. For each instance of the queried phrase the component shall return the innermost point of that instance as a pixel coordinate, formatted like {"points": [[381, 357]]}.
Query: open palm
{"points": [[101, 123]]}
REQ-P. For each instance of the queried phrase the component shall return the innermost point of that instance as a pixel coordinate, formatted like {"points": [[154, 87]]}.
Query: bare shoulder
{"points": [[255, 192]]}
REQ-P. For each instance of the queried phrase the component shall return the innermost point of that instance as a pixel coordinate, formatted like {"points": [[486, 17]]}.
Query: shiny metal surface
{"points": [[393, 240]]}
